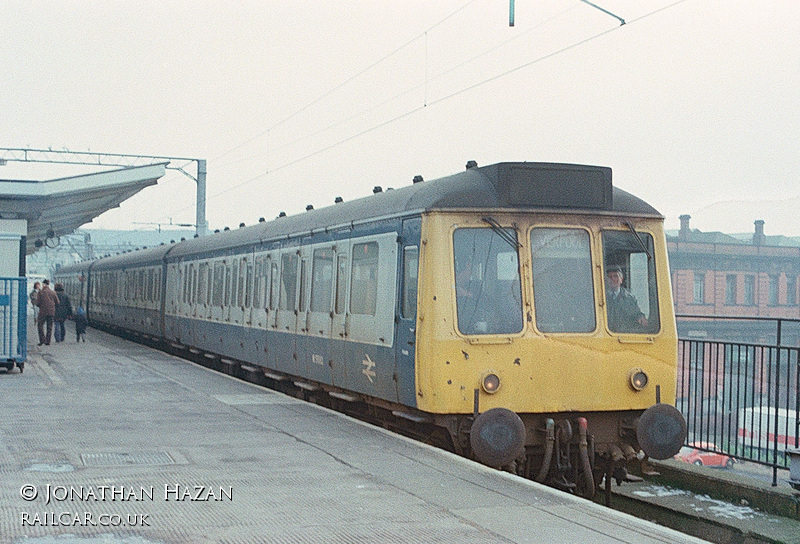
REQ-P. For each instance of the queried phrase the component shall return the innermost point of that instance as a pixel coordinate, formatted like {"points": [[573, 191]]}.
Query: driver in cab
{"points": [[624, 314]]}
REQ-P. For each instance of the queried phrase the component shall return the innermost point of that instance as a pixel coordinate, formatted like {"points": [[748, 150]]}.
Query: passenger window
{"points": [[234, 280], [408, 307], [364, 279], [563, 289], [341, 284], [248, 291], [219, 283], [303, 284], [261, 282], [322, 280], [203, 289], [630, 282], [289, 263], [488, 286], [273, 287], [189, 284], [227, 296], [243, 279]]}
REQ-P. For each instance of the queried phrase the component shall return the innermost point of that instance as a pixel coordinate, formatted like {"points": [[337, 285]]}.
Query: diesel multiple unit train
{"points": [[520, 313]]}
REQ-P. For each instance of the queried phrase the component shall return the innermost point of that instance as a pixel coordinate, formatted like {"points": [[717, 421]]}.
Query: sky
{"points": [[695, 105]]}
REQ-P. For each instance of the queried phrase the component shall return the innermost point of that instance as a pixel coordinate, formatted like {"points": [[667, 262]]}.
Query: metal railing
{"points": [[13, 319], [738, 387]]}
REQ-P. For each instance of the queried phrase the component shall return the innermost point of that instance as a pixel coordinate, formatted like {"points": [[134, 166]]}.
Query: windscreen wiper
{"points": [[638, 239], [502, 233]]}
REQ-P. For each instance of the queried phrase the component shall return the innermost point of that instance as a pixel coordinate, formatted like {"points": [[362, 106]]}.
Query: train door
{"points": [[405, 343], [238, 294], [338, 330], [370, 321], [286, 319], [218, 290], [261, 271], [303, 314], [271, 310], [320, 313], [247, 290], [203, 287], [173, 283]]}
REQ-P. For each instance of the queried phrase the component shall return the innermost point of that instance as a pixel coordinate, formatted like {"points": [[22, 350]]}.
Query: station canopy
{"points": [[57, 207]]}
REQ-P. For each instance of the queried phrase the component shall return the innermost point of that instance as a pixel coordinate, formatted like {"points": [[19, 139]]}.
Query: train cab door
{"points": [[406, 319], [339, 317], [287, 313]]}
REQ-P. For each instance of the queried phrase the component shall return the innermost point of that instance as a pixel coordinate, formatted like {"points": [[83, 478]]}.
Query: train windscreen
{"points": [[488, 288], [563, 289]]}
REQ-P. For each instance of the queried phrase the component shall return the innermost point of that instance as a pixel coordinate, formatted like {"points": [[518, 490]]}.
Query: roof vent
{"points": [[377, 189], [418, 179], [338, 200], [309, 207], [471, 164], [282, 214]]}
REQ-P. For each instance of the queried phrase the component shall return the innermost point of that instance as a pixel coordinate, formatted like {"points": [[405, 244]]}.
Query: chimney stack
{"points": [[759, 239], [685, 232]]}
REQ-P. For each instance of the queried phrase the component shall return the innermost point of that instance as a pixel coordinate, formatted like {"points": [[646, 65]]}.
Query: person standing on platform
{"points": [[63, 312], [47, 302], [80, 324], [34, 296]]}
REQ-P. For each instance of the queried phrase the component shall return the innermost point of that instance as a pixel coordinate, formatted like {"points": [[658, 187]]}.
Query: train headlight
{"points": [[490, 383], [638, 379]]}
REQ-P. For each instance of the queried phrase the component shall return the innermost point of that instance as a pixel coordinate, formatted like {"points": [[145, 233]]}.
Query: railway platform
{"points": [[112, 442]]}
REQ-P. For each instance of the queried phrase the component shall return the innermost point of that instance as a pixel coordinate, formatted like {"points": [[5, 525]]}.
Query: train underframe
{"points": [[574, 452]]}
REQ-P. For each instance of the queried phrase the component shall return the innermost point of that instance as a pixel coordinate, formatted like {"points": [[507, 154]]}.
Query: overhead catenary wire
{"points": [[426, 103], [345, 82], [425, 83]]}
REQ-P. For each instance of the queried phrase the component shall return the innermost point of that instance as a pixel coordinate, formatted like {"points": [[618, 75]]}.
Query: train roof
{"points": [[508, 185]]}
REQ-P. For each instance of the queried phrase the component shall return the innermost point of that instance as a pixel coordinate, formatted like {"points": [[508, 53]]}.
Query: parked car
{"points": [[695, 453]]}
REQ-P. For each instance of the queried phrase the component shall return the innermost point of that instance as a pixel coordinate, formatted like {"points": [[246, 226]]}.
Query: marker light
{"points": [[638, 379], [491, 383]]}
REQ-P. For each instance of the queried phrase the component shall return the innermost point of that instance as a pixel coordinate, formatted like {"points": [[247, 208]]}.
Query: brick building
{"points": [[716, 274]]}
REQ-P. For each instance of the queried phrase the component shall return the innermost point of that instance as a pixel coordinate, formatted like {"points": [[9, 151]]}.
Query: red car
{"points": [[693, 454]]}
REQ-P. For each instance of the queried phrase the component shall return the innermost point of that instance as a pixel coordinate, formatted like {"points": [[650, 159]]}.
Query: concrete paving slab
{"points": [[110, 442]]}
